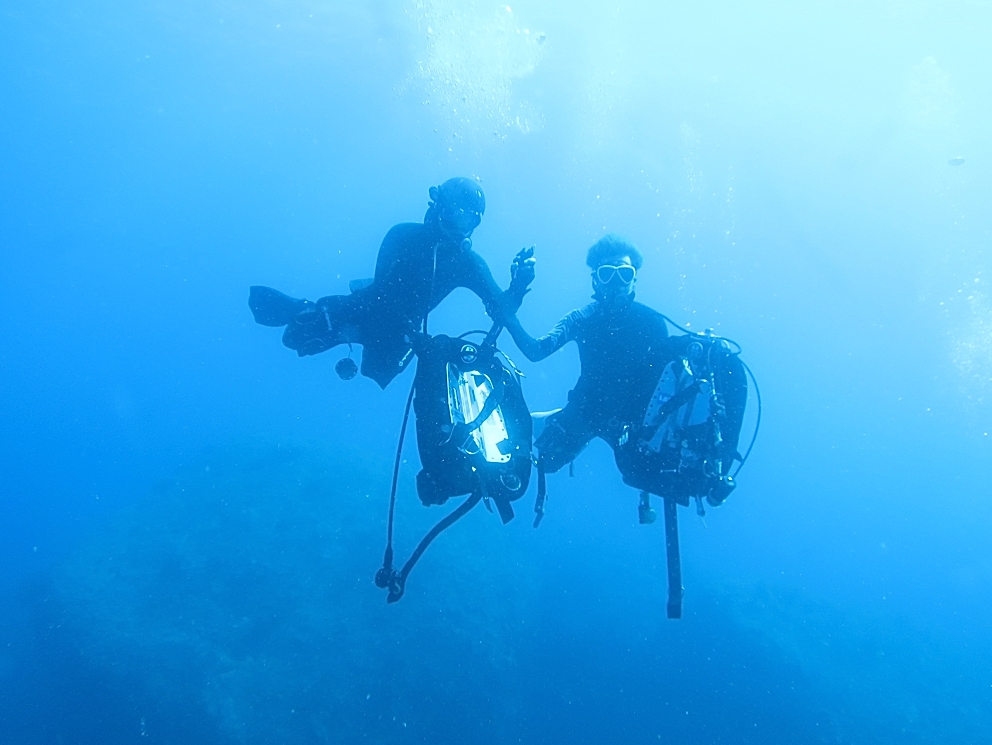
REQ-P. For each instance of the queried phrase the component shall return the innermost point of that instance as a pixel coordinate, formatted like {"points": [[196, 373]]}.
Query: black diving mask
{"points": [[459, 220]]}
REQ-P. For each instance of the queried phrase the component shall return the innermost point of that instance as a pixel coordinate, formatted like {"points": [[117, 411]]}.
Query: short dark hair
{"points": [[611, 247]]}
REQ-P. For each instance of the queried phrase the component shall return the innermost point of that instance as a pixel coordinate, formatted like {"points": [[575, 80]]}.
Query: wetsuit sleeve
{"points": [[475, 275], [659, 328], [659, 344], [564, 331]]}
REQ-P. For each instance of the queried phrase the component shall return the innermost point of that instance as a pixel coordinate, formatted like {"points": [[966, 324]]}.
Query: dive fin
{"points": [[273, 308]]}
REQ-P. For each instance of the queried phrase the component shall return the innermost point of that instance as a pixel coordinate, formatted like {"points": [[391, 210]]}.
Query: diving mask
{"points": [[608, 273], [459, 220]]}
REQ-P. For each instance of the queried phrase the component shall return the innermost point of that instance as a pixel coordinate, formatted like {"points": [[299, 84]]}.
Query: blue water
{"points": [[190, 515]]}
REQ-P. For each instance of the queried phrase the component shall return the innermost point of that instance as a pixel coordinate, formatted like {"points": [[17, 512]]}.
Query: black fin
{"points": [[271, 307]]}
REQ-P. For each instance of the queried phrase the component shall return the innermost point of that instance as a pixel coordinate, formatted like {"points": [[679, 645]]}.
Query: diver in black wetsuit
{"points": [[622, 352], [417, 267]]}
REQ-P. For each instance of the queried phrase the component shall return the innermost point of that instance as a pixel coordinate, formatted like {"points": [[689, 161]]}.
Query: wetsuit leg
{"points": [[386, 353], [565, 435], [312, 328]]}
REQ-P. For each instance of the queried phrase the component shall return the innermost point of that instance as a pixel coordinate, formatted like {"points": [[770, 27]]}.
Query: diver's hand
{"points": [[522, 271]]}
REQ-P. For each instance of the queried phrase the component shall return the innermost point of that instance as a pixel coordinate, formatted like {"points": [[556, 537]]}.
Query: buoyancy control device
{"points": [[474, 436], [473, 426], [686, 444], [687, 441]]}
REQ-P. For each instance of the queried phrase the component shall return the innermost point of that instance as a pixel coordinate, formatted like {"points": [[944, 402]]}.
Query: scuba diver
{"points": [[418, 265], [671, 408], [622, 352]]}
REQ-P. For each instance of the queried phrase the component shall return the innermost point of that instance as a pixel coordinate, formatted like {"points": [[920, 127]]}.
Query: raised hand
{"points": [[522, 271]]}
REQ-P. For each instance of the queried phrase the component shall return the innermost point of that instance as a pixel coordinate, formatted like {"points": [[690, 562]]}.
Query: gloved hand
{"points": [[522, 271]]}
